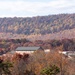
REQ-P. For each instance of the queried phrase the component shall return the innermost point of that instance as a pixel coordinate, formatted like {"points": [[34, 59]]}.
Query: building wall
{"points": [[47, 50], [22, 52]]}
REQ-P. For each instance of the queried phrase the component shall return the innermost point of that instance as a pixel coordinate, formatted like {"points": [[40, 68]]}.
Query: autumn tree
{"points": [[37, 62], [19, 64]]}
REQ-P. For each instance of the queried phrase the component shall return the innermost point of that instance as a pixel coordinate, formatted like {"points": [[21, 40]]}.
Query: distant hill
{"points": [[41, 25], [38, 25]]}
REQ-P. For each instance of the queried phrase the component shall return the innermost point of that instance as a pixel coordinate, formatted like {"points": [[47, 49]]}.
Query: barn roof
{"points": [[28, 48]]}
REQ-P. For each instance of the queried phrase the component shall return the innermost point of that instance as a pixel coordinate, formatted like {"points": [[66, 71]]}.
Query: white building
{"points": [[47, 50], [70, 54], [27, 50]]}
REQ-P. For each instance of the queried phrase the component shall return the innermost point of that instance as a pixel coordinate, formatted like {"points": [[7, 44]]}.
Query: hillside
{"points": [[65, 34], [53, 26], [38, 25]]}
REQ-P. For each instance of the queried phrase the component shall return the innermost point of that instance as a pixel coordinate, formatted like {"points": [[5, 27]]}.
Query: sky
{"points": [[30, 8]]}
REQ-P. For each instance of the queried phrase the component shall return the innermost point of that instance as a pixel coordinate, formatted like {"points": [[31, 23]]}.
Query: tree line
{"points": [[11, 44], [39, 63]]}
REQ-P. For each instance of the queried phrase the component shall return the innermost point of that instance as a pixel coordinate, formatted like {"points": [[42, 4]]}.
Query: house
{"points": [[28, 50], [70, 54]]}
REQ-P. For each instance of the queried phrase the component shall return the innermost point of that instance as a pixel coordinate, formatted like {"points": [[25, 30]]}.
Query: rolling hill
{"points": [[50, 27]]}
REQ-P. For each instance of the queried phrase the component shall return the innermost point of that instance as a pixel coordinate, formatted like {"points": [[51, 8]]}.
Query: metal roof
{"points": [[27, 48]]}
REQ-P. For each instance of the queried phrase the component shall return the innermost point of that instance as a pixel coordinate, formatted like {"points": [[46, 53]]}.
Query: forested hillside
{"points": [[38, 25]]}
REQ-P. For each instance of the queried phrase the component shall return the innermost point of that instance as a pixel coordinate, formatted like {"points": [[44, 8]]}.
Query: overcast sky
{"points": [[30, 8]]}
